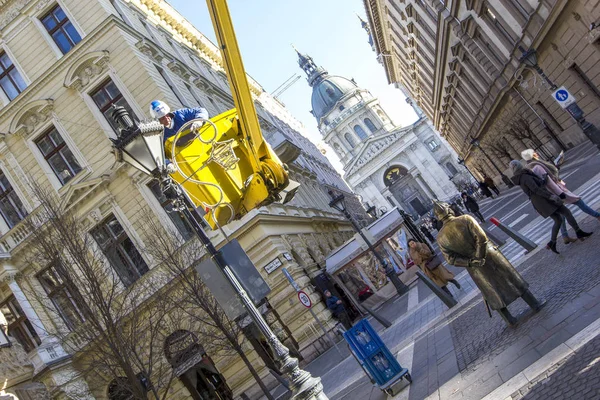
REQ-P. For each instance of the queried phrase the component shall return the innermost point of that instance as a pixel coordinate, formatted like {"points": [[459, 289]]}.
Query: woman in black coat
{"points": [[471, 205], [545, 203]]}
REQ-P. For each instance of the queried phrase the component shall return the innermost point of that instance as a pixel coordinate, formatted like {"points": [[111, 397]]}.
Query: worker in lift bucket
{"points": [[173, 121]]}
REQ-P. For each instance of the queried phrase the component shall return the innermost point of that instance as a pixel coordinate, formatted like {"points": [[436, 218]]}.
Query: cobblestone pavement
{"points": [[557, 279], [577, 377]]}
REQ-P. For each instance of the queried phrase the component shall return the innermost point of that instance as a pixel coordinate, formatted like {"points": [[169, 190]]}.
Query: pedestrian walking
{"points": [[427, 233], [485, 190], [490, 183], [472, 206], [338, 310], [550, 174], [547, 204], [464, 244], [431, 265]]}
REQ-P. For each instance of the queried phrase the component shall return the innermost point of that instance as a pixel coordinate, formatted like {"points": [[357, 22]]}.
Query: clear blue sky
{"points": [[327, 30]]}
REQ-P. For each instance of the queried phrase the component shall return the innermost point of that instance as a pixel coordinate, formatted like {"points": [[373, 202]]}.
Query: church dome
{"points": [[327, 89], [327, 92]]}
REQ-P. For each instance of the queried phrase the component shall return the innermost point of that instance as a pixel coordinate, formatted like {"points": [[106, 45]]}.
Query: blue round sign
{"points": [[562, 95]]}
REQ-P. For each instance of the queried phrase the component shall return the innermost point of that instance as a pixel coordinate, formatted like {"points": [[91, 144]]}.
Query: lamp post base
{"points": [[591, 131]]}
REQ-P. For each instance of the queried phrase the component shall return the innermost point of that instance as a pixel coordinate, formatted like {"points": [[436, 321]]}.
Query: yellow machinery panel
{"points": [[220, 171]]}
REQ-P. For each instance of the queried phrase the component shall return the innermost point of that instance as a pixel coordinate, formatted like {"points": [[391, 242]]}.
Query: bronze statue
{"points": [[464, 244]]}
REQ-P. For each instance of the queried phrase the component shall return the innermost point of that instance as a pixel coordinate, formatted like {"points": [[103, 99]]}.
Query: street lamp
{"points": [[339, 203], [372, 211], [529, 58], [505, 179], [141, 146]]}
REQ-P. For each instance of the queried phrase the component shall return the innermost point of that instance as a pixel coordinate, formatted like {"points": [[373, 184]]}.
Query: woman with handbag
{"points": [[431, 265]]}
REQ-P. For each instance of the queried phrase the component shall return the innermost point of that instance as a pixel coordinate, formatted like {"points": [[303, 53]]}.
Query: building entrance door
{"points": [[418, 206]]}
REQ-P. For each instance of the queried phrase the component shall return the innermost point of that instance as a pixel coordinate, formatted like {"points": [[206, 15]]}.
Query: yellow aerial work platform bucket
{"points": [[220, 170]]}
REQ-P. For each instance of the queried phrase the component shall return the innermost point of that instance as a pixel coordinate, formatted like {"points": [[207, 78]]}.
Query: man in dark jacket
{"points": [[338, 310], [545, 203], [472, 205]]}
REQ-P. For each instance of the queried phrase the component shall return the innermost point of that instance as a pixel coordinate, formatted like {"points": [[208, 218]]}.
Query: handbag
{"points": [[434, 262]]}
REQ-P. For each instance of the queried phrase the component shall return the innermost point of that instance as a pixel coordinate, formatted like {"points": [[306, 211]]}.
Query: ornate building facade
{"points": [[64, 63], [462, 62], [387, 165]]}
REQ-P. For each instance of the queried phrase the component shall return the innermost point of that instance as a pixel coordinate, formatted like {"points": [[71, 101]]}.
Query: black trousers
{"points": [[344, 319], [557, 218]]}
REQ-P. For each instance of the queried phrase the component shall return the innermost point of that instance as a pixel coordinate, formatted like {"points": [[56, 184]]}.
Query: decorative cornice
{"points": [[30, 116], [181, 70], [150, 50], [85, 68]]}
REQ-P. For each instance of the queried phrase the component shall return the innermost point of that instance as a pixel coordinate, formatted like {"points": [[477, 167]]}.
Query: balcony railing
{"points": [[18, 234]]}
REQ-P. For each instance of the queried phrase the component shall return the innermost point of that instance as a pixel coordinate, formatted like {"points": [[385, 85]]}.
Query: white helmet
{"points": [[159, 109]]}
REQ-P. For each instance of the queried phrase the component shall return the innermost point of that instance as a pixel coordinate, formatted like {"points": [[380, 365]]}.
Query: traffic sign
{"points": [[563, 97], [304, 299]]}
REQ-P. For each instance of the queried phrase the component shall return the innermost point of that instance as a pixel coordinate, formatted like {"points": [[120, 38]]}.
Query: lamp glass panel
{"points": [[154, 142], [138, 152]]}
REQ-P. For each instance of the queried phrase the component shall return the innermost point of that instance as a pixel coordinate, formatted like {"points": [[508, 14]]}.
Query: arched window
{"points": [[350, 139], [370, 125], [360, 132], [451, 169]]}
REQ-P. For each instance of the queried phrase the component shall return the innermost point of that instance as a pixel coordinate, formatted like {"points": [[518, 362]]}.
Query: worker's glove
{"points": [[171, 168], [476, 262], [562, 195], [195, 127]]}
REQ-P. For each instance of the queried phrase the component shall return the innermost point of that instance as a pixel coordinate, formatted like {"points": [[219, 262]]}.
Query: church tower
{"points": [[388, 165]]}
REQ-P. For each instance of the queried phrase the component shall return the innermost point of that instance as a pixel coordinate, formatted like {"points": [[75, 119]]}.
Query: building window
{"points": [[370, 125], [451, 169], [105, 96], [350, 139], [10, 79], [433, 145], [360, 132], [183, 227], [11, 208], [61, 29], [120, 250], [58, 155], [498, 24], [172, 86], [61, 296], [194, 95], [19, 326]]}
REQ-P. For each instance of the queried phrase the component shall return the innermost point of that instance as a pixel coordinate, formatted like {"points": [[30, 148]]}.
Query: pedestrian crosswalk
{"points": [[539, 229]]}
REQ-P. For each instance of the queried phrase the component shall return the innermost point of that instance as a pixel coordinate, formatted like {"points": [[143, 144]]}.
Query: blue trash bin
{"points": [[374, 356]]}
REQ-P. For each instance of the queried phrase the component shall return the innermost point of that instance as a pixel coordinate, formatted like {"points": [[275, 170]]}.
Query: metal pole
{"points": [[544, 124], [324, 330], [401, 288], [302, 384], [443, 296]]}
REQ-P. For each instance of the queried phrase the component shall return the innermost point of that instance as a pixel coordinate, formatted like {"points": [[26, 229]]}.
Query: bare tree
{"points": [[498, 147], [520, 128], [192, 296], [116, 333]]}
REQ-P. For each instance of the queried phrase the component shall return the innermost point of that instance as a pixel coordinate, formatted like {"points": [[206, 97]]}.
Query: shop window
{"points": [[58, 155], [61, 29], [19, 326], [120, 250]]}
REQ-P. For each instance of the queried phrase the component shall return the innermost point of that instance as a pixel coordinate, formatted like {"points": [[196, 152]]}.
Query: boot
{"points": [[455, 283], [507, 317], [552, 246], [531, 301], [582, 235], [568, 240]]}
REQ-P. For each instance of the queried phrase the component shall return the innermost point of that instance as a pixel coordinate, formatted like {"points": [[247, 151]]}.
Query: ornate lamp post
{"points": [[142, 147], [529, 58], [505, 179], [339, 203]]}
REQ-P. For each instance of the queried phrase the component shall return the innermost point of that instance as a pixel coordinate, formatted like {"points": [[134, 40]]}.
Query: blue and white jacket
{"points": [[182, 116]]}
